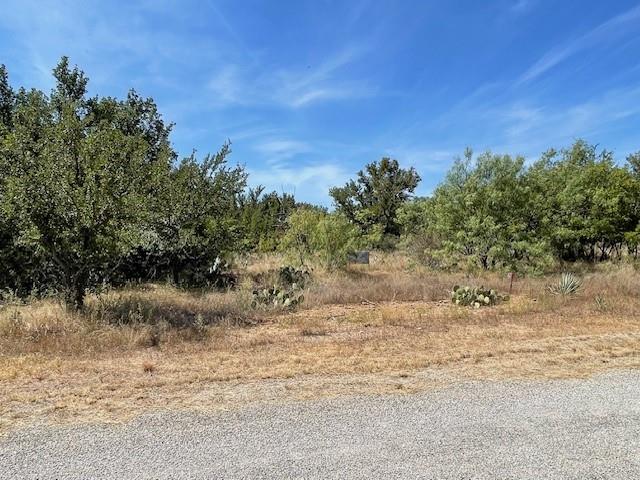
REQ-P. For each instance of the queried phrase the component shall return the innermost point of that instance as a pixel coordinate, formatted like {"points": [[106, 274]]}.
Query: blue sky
{"points": [[310, 91]]}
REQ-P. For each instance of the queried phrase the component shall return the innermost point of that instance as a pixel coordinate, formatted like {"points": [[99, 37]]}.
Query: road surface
{"points": [[581, 429]]}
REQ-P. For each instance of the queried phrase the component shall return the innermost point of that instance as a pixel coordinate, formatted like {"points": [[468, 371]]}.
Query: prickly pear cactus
{"points": [[278, 297], [476, 297]]}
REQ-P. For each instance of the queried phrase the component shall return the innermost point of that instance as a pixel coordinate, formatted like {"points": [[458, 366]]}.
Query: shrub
{"points": [[601, 303], [476, 296], [568, 285], [290, 275], [329, 238]]}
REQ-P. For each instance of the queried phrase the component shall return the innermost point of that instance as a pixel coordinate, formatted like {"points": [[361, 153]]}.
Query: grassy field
{"points": [[388, 327]]}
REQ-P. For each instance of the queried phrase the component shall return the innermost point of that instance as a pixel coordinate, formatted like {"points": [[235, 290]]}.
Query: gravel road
{"points": [[582, 429]]}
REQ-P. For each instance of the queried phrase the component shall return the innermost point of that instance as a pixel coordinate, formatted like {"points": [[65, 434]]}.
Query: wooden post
{"points": [[511, 276]]}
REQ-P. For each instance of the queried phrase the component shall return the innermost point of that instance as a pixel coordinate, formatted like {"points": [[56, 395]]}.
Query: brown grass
{"points": [[376, 329]]}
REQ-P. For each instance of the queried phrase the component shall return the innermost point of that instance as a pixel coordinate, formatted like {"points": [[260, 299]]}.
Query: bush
{"points": [[287, 292], [290, 275], [476, 296], [313, 234]]}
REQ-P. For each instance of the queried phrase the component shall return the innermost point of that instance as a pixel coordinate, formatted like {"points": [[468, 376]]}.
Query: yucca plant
{"points": [[568, 285]]}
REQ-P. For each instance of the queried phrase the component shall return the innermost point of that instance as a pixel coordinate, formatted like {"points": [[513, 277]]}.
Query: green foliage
{"points": [[374, 198], [287, 292], [263, 218], [494, 212], [479, 217], [568, 285], [419, 236], [75, 182], [192, 222], [314, 234], [7, 100], [475, 297], [290, 275], [632, 241], [584, 202], [90, 194]]}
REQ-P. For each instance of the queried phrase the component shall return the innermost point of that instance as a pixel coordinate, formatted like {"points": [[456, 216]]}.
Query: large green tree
{"points": [[375, 196], [585, 201], [483, 216], [77, 176]]}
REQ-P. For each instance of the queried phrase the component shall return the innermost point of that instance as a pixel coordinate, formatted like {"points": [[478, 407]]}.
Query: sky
{"points": [[308, 92]]}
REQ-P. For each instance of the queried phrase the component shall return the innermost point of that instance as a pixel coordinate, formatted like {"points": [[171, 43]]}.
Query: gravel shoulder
{"points": [[579, 428]]}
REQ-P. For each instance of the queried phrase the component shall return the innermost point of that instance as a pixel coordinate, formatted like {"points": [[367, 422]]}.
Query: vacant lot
{"points": [[384, 328]]}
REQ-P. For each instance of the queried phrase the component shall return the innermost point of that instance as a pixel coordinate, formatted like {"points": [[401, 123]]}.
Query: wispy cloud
{"points": [[282, 147], [105, 41], [516, 125], [278, 151], [602, 113], [227, 86], [530, 127], [313, 180], [292, 87], [521, 6], [605, 32]]}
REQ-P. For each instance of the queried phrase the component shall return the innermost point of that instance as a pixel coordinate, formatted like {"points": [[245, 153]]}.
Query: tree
{"points": [[586, 202], [481, 215], [634, 164], [7, 100], [263, 218], [495, 212], [193, 217], [76, 183], [374, 198]]}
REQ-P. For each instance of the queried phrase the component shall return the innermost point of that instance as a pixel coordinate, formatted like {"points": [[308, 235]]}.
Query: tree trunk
{"points": [[79, 294], [175, 274], [76, 291]]}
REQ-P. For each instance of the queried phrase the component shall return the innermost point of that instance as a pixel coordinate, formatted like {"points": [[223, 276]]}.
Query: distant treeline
{"points": [[92, 194]]}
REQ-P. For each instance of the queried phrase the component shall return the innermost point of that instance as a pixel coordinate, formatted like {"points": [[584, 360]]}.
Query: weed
{"points": [[601, 303]]}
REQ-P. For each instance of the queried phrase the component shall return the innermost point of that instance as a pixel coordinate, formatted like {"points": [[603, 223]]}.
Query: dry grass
{"points": [[377, 329], [390, 278], [120, 320]]}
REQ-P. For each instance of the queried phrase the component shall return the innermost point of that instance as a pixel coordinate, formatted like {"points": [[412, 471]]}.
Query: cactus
{"points": [[278, 297], [475, 297]]}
